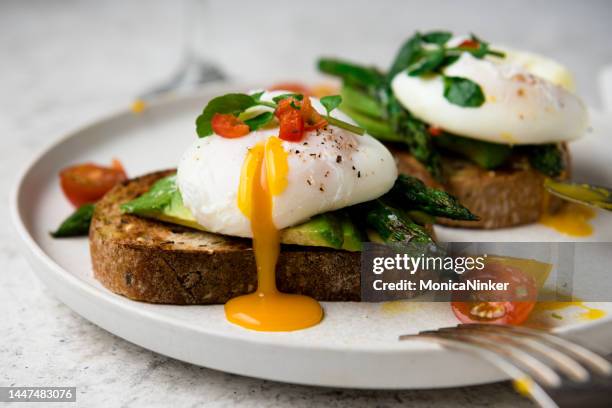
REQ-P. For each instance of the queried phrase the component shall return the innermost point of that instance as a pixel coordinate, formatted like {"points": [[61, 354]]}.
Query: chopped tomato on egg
{"points": [[312, 119], [469, 44], [297, 116], [291, 126], [229, 126], [87, 183], [511, 306]]}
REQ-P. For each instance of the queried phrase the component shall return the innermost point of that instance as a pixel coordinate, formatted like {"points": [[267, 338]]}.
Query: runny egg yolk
{"points": [[264, 175], [572, 219]]}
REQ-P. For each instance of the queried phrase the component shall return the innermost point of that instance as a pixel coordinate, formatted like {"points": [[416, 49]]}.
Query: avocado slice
{"points": [[485, 154], [352, 236], [164, 202], [323, 230]]}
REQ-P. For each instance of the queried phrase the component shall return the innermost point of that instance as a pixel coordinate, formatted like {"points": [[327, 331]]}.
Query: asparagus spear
{"points": [[411, 191], [547, 159], [393, 225], [76, 224]]}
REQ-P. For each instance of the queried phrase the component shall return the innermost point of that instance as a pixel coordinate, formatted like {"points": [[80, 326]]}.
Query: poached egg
{"points": [[331, 168], [528, 100]]}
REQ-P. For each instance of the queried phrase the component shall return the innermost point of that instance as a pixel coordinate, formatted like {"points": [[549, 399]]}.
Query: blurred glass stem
{"points": [[195, 67]]}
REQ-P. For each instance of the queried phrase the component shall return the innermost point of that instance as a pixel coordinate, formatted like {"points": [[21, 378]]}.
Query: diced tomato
{"points": [[229, 126], [294, 87], [510, 307], [434, 131], [312, 119], [469, 44], [291, 126], [88, 182]]}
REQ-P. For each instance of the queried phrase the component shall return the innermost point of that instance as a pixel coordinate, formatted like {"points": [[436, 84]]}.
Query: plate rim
{"points": [[120, 303]]}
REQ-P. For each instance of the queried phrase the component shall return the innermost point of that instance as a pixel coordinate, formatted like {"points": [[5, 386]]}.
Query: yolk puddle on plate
{"points": [[264, 174], [572, 219], [589, 313]]}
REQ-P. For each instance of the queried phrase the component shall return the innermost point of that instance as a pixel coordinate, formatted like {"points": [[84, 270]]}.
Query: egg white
{"points": [[520, 107], [328, 170]]}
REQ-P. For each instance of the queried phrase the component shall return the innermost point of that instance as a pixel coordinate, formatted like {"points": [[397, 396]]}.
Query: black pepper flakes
{"points": [[359, 174], [338, 159]]}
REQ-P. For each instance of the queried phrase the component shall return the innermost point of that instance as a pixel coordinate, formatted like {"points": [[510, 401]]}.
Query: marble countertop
{"points": [[65, 63]]}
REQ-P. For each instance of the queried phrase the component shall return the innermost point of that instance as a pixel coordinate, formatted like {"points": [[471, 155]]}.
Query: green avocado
{"points": [[485, 154], [164, 202], [352, 236], [324, 230]]}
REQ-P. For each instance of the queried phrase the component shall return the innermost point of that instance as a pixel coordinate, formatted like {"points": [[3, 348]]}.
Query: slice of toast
{"points": [[507, 197], [157, 262]]}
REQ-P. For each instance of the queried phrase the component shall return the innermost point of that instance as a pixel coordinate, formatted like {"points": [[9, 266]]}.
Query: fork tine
{"points": [[535, 391], [591, 360], [533, 366], [566, 364]]}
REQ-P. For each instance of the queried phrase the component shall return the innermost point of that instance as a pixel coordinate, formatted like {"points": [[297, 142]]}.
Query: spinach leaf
{"points": [[76, 224], [331, 102], [407, 55], [233, 103], [463, 92], [279, 98], [428, 63], [437, 37]]}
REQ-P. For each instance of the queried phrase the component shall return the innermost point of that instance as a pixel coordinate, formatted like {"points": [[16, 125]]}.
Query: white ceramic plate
{"points": [[356, 344]]}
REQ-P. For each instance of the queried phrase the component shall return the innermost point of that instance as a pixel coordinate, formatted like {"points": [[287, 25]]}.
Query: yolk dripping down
{"points": [[264, 174]]}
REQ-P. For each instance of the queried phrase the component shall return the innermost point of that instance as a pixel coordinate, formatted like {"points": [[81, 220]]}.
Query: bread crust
{"points": [[157, 262]]}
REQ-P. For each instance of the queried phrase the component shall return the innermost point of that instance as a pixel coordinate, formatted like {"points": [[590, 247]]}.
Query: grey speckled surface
{"points": [[64, 63]]}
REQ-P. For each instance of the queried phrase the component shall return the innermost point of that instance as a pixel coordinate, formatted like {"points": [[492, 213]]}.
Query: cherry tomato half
{"points": [[511, 306], [88, 182], [228, 126]]}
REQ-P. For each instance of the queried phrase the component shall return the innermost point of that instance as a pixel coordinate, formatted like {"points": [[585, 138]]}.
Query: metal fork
{"points": [[551, 370]]}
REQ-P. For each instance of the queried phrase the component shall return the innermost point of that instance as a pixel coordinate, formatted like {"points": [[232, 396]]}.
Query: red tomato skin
{"points": [[291, 126], [515, 311], [312, 119], [87, 183], [229, 126], [469, 44]]}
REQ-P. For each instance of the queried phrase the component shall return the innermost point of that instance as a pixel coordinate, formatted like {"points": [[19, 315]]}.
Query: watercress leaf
{"points": [[463, 92], [407, 55], [428, 63], [259, 120], [331, 102], [279, 98], [76, 224], [257, 95], [437, 37], [234, 103]]}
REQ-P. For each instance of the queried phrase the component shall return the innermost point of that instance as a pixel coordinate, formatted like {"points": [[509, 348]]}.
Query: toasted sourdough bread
{"points": [[157, 262], [507, 197]]}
